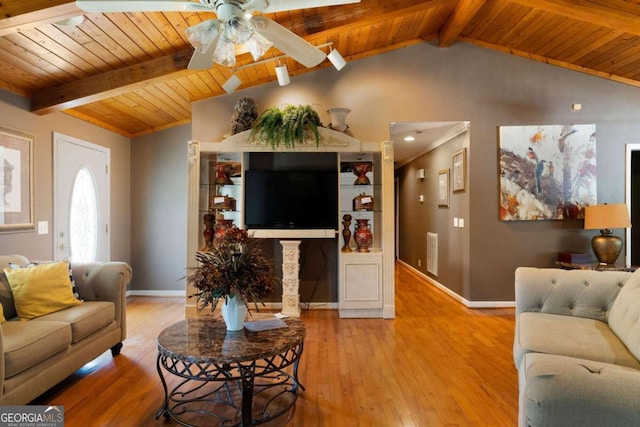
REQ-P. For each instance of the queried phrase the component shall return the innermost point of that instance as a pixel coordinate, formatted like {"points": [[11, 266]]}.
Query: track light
{"points": [[336, 59], [232, 84], [283, 75]]}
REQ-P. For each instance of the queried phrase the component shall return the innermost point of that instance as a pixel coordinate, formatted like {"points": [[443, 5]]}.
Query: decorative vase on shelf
{"points": [[346, 233], [363, 235], [234, 310], [209, 220], [339, 119], [223, 174], [360, 169]]}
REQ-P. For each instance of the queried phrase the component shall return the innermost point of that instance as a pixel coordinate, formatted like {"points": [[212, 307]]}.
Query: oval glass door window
{"points": [[83, 218]]}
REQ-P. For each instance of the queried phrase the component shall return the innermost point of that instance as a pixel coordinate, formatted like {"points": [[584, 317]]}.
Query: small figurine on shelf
{"points": [[221, 202], [346, 233], [363, 202]]}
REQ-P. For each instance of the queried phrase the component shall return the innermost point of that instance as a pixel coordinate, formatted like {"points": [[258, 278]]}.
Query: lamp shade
{"points": [[600, 217]]}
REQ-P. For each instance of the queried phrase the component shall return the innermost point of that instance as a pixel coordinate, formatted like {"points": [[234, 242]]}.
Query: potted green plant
{"points": [[289, 126], [234, 270]]}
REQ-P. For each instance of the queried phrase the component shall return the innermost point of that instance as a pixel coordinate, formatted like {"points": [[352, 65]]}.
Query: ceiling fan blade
{"points": [[273, 6], [288, 42], [203, 60], [107, 6]]}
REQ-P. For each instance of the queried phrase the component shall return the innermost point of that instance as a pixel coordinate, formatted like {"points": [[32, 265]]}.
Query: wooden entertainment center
{"points": [[366, 285]]}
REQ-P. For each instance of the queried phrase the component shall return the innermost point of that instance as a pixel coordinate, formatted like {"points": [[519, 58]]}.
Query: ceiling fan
{"points": [[214, 40]]}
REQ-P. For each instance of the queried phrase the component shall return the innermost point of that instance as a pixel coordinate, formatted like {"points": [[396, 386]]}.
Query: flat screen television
{"points": [[298, 199]]}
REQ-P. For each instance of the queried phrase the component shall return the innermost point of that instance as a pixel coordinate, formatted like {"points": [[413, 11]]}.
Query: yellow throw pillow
{"points": [[41, 290], [2, 319]]}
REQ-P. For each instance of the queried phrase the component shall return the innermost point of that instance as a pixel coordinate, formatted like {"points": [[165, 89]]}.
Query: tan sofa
{"points": [[37, 354], [577, 347]]}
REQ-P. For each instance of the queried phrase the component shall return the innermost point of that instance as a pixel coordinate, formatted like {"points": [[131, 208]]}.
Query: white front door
{"points": [[81, 199]]}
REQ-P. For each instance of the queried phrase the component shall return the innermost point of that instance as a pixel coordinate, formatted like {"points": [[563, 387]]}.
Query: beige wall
{"points": [[14, 114], [418, 83], [488, 89], [159, 210]]}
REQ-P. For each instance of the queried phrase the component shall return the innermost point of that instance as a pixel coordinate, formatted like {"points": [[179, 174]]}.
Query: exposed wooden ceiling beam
{"points": [[111, 83], [464, 12], [618, 18], [16, 15]]}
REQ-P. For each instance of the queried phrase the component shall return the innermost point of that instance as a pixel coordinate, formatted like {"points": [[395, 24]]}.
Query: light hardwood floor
{"points": [[437, 364]]}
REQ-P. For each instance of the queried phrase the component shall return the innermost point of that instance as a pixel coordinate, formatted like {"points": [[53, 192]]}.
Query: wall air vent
{"points": [[432, 253]]}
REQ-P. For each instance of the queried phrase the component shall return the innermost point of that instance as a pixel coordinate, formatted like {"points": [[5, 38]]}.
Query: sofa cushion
{"points": [[570, 336], [28, 343], [624, 318], [84, 319], [41, 289], [559, 391], [582, 293]]}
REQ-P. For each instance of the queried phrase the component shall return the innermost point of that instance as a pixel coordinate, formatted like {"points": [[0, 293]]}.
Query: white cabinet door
{"points": [[360, 293]]}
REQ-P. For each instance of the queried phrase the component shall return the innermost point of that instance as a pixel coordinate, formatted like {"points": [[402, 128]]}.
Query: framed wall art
{"points": [[459, 170], [547, 172], [443, 188], [16, 180]]}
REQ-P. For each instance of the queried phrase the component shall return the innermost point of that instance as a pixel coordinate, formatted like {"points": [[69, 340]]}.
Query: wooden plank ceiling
{"points": [[127, 71]]}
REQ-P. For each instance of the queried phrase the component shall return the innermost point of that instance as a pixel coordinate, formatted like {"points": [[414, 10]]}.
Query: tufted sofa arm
{"points": [[105, 282], [581, 293]]}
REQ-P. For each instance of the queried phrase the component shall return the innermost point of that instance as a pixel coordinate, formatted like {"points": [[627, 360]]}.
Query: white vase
{"points": [[234, 310], [338, 118]]}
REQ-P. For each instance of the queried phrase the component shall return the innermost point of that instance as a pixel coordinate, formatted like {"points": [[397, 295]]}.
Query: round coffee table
{"points": [[229, 378]]}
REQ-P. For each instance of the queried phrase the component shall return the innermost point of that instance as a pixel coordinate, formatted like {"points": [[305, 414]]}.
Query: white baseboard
{"points": [[459, 298]]}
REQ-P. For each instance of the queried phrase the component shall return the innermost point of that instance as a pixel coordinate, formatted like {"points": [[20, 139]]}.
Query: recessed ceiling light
{"points": [[409, 138]]}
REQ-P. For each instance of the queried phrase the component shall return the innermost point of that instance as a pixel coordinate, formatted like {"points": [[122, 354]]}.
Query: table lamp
{"points": [[606, 246]]}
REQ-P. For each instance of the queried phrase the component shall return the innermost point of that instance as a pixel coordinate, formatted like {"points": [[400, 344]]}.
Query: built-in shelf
{"points": [[292, 234], [366, 280]]}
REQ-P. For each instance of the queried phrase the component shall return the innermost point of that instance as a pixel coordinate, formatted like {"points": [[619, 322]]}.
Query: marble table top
{"points": [[206, 339]]}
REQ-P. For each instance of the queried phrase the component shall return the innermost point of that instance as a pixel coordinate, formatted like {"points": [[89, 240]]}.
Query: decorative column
{"points": [[290, 277]]}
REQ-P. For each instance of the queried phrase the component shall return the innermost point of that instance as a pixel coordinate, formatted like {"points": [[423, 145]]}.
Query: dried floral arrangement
{"points": [[235, 266]]}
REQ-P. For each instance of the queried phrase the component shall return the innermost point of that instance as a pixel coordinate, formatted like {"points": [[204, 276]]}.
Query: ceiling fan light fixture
{"points": [[202, 35], [225, 53], [283, 75], [232, 83], [258, 45], [336, 59]]}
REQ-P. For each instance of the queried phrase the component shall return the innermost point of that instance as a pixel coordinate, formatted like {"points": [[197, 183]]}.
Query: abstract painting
{"points": [[547, 172]]}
